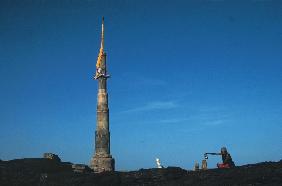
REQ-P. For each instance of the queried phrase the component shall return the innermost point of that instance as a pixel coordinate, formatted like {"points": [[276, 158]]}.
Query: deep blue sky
{"points": [[187, 77]]}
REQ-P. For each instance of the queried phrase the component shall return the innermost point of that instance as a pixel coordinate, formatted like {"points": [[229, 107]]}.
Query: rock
{"points": [[51, 156], [81, 168], [42, 171]]}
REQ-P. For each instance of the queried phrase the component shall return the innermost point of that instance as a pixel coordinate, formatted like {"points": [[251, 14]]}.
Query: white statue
{"points": [[159, 166]]}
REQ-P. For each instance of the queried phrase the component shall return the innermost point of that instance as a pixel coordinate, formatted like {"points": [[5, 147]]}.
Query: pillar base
{"points": [[102, 163]]}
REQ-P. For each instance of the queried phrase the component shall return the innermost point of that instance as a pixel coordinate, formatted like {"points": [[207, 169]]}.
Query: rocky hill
{"points": [[46, 172]]}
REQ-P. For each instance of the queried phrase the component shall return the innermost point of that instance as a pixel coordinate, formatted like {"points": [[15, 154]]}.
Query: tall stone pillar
{"points": [[102, 159]]}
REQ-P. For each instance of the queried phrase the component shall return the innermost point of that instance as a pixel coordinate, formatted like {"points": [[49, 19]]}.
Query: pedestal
{"points": [[102, 163]]}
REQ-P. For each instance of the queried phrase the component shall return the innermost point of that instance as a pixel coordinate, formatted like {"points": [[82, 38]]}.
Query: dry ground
{"points": [[36, 172]]}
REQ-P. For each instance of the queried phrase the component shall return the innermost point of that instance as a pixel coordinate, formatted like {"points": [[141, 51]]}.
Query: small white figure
{"points": [[159, 166]]}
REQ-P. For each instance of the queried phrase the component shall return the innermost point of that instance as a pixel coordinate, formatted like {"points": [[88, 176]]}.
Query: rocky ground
{"points": [[39, 171]]}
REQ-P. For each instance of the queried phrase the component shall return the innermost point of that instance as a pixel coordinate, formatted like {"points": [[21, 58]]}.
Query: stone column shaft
{"points": [[102, 160]]}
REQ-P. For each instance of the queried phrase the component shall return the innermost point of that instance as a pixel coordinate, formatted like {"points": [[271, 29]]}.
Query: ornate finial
{"points": [[100, 65], [102, 37]]}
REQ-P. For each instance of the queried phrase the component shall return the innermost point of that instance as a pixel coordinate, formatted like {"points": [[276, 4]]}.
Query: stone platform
{"points": [[102, 163]]}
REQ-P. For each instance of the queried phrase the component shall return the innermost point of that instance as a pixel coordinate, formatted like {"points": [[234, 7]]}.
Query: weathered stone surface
{"points": [[204, 165], [102, 160], [80, 168], [102, 164]]}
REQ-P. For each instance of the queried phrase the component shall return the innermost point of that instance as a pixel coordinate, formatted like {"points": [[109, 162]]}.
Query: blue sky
{"points": [[187, 77]]}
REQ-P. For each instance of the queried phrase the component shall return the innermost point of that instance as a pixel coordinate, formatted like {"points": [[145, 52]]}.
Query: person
{"points": [[227, 161]]}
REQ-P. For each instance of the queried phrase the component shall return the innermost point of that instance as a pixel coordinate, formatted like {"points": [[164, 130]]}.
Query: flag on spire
{"points": [[100, 55]]}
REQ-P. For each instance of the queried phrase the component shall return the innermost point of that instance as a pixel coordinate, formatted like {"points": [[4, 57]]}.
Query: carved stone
{"points": [[102, 159]]}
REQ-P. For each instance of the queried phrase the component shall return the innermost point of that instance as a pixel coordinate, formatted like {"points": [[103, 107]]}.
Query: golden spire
{"points": [[101, 52]]}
